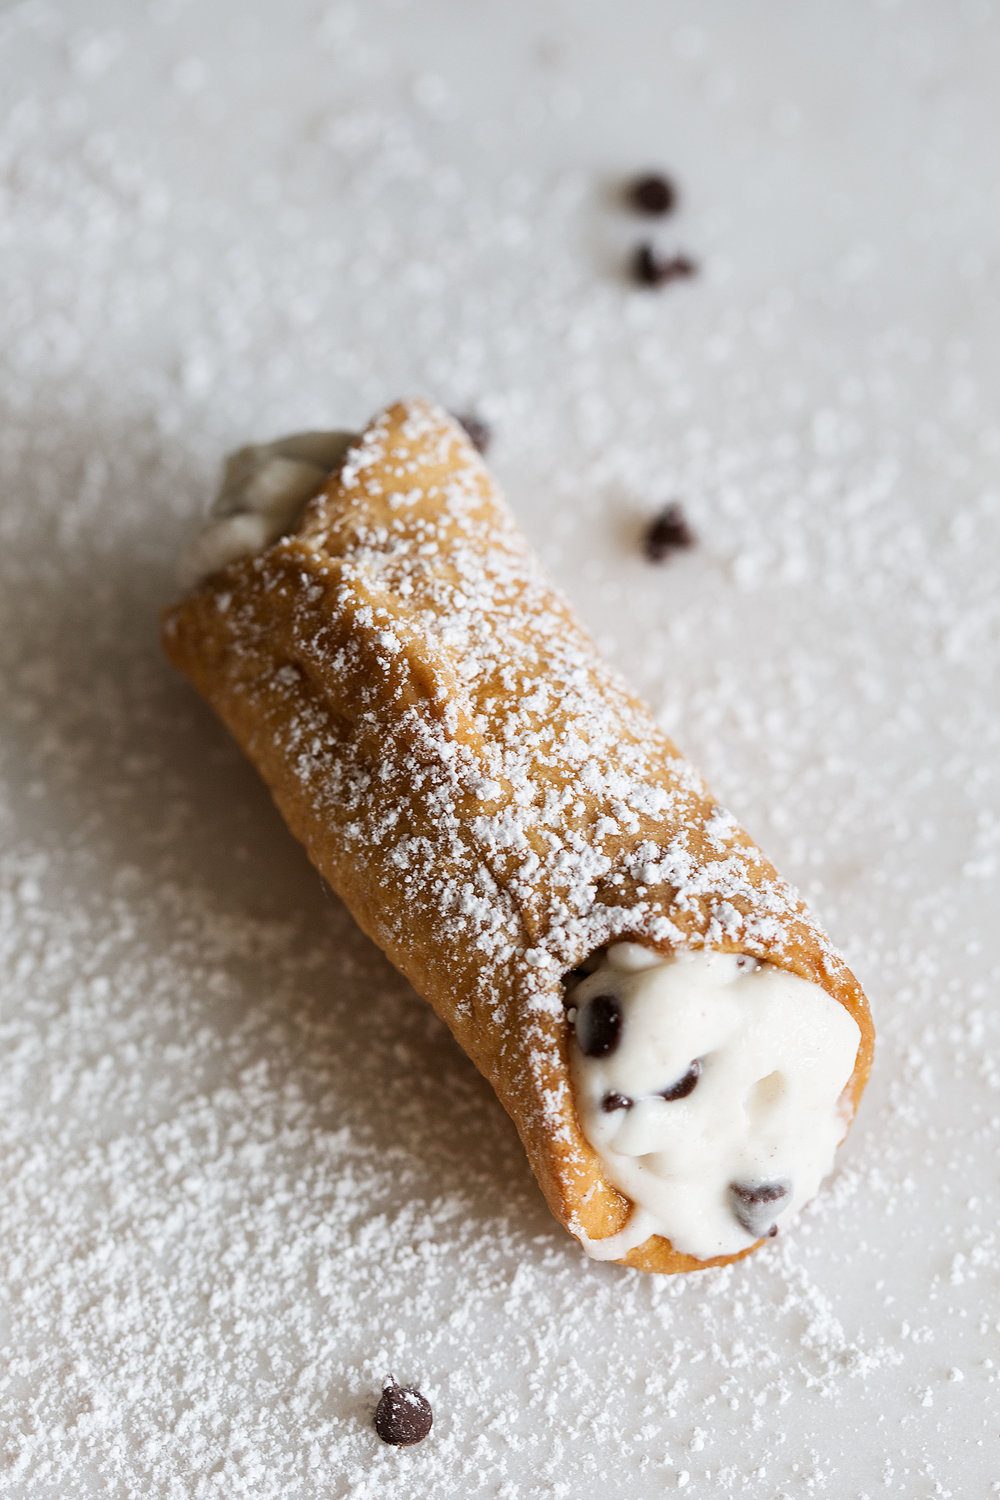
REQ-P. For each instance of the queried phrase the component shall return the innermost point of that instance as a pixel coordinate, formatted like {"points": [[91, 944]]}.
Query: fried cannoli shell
{"points": [[487, 797]]}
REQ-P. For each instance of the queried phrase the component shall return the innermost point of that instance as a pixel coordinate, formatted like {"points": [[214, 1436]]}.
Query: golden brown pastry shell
{"points": [[333, 658]]}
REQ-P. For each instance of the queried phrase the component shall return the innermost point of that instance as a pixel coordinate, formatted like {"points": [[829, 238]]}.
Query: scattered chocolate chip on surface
{"points": [[614, 1101], [599, 1025], [667, 532], [652, 193], [402, 1417], [479, 432], [651, 268]]}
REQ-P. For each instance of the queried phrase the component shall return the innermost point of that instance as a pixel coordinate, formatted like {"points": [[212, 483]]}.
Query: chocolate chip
{"points": [[479, 432], [599, 1025], [652, 193], [685, 1085], [764, 1192], [651, 268], [402, 1417], [668, 532], [612, 1102], [752, 1205]]}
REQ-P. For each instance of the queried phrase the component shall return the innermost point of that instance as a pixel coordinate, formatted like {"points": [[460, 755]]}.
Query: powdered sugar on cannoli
{"points": [[711, 1088], [487, 794]]}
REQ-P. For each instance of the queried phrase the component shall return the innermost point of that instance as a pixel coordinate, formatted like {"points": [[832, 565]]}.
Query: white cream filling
{"points": [[263, 490], [757, 1060]]}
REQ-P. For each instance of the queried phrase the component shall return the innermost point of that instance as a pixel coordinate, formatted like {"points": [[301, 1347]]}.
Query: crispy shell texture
{"points": [[487, 797]]}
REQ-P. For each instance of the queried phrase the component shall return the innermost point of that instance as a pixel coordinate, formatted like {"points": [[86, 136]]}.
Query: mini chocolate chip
{"points": [[613, 1101], [653, 193], [574, 976], [402, 1417], [753, 1203], [651, 268], [685, 1085], [771, 1232], [764, 1192], [479, 432], [599, 1025], [668, 532]]}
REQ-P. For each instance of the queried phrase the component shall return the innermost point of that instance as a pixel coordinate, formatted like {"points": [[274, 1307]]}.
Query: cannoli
{"points": [[678, 1044]]}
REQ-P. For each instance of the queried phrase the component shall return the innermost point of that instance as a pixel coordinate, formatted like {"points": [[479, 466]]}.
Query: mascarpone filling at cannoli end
{"points": [[677, 1042]]}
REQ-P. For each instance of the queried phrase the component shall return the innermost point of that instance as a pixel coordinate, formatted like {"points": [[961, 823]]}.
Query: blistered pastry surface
{"points": [[489, 798]]}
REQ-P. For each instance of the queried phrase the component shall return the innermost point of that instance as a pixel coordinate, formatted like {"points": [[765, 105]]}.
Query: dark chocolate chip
{"points": [[612, 1102], [753, 1205], [653, 193], [764, 1192], [685, 1085], [479, 432], [599, 1025], [402, 1417], [668, 532], [651, 268]]}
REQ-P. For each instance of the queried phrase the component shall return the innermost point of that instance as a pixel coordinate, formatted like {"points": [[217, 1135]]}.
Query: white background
{"points": [[243, 1171]]}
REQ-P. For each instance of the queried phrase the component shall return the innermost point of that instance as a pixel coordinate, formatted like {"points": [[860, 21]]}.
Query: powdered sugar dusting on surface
{"points": [[244, 1172]]}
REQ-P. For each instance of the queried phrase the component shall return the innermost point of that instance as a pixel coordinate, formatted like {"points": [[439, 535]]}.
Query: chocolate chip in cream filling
{"points": [[717, 1108]]}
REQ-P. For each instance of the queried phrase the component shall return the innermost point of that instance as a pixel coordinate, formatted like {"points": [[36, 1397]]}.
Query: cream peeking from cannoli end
{"points": [[712, 1088], [261, 495]]}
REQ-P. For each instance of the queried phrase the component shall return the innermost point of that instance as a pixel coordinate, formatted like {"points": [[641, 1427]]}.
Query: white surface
{"points": [[243, 1170]]}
